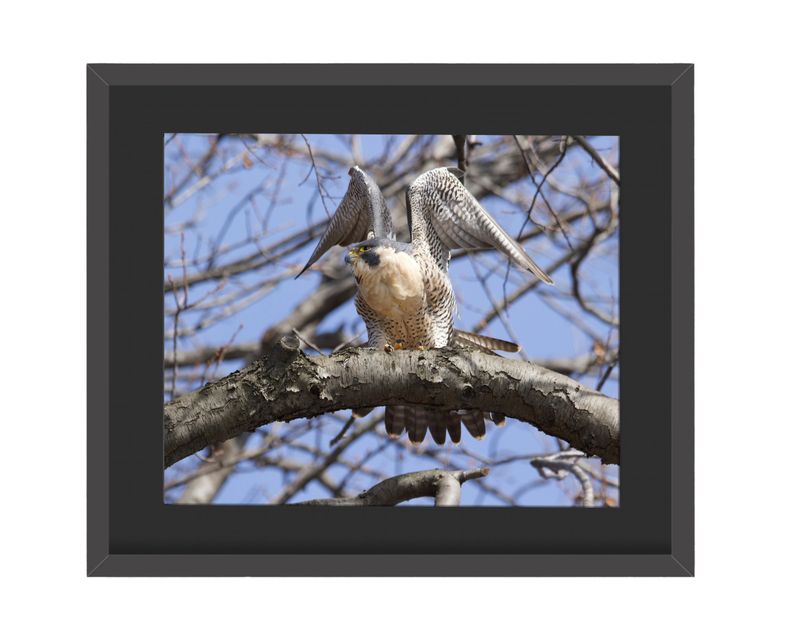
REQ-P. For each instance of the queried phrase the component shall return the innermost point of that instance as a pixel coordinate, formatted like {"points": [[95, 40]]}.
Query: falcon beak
{"points": [[351, 257]]}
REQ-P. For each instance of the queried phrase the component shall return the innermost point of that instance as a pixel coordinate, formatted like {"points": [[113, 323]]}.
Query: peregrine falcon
{"points": [[405, 296]]}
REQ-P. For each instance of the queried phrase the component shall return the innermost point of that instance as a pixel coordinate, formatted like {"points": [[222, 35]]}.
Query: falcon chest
{"points": [[394, 287]]}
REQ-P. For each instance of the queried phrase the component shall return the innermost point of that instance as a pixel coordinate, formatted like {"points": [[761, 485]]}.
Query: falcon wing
{"points": [[459, 220], [362, 214]]}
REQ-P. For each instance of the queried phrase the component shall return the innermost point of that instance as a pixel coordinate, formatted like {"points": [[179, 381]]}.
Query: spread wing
{"points": [[362, 214], [459, 220]]}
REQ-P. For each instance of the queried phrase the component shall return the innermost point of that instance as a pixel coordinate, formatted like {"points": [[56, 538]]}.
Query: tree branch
{"points": [[287, 384], [611, 172], [441, 484], [558, 465]]}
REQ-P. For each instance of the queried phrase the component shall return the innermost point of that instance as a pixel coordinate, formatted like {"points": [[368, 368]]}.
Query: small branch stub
{"points": [[441, 484]]}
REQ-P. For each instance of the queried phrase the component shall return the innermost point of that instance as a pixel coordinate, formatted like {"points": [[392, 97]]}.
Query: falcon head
{"points": [[368, 255], [374, 252]]}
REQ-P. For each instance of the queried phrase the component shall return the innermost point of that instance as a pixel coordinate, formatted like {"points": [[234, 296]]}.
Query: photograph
{"points": [[408, 320]]}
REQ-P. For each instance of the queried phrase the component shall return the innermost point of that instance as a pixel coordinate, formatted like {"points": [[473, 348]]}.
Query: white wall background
{"points": [[747, 229]]}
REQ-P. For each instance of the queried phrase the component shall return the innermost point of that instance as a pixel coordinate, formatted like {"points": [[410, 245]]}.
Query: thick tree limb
{"points": [[441, 484], [287, 384], [331, 339]]}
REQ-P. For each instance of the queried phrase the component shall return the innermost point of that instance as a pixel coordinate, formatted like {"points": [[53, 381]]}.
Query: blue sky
{"points": [[542, 331]]}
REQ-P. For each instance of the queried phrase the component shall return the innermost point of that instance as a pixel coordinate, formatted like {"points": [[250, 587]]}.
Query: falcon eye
{"points": [[362, 249]]}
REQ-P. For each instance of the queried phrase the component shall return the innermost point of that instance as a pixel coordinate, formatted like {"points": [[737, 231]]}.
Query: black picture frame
{"points": [[131, 532]]}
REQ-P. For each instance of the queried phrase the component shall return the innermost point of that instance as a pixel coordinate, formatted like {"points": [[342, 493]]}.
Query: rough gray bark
{"points": [[441, 484], [287, 384], [249, 351]]}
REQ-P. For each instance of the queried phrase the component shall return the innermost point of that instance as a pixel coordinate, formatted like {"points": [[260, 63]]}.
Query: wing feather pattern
{"points": [[361, 214], [460, 221]]}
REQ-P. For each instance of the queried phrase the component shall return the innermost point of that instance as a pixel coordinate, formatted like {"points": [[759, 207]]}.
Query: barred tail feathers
{"points": [[483, 343]]}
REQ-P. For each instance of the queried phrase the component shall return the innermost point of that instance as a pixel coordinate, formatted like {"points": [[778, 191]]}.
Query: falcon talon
{"points": [[388, 348]]}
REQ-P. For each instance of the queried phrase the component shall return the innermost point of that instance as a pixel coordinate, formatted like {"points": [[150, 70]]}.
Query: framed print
{"points": [[328, 301]]}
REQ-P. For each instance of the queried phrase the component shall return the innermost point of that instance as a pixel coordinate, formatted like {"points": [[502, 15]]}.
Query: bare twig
{"points": [[574, 269], [313, 471], [306, 341], [460, 141], [611, 172], [559, 464], [607, 373], [539, 185], [344, 429], [322, 193]]}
